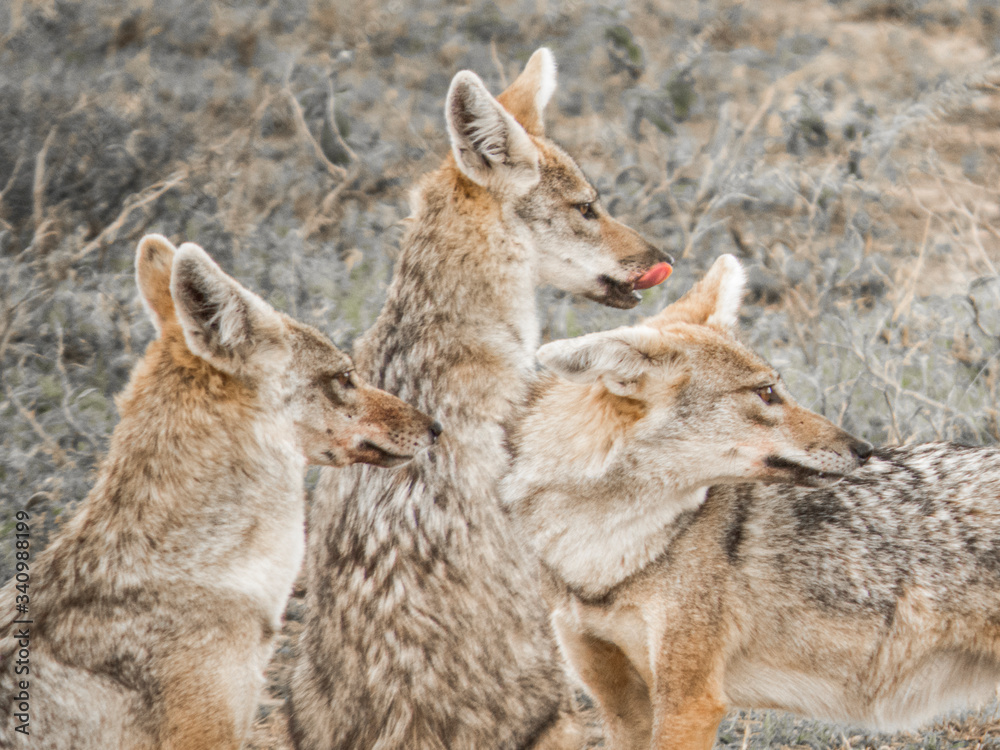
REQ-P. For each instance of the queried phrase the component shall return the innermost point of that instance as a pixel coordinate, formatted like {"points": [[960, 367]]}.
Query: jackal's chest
{"points": [[265, 569], [622, 624]]}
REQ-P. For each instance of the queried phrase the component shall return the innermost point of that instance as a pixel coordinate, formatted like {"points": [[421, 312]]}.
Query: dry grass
{"points": [[847, 151]]}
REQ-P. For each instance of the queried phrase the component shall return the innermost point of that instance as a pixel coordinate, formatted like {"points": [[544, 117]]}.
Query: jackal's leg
{"points": [[689, 725], [618, 688], [687, 692], [208, 728], [209, 698]]}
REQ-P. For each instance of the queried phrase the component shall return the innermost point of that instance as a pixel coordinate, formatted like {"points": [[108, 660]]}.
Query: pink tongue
{"points": [[655, 275]]}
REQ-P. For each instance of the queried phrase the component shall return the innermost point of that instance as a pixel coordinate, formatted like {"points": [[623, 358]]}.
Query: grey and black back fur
{"points": [[895, 576]]}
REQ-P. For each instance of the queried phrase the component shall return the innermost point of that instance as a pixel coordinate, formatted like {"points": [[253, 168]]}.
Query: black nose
{"points": [[863, 450], [436, 430]]}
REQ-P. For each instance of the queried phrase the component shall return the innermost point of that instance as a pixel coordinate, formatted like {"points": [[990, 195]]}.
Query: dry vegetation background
{"points": [[848, 152]]}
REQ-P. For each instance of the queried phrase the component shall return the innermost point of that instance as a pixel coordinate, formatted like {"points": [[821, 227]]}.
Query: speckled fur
{"points": [[425, 623], [153, 609], [872, 602], [869, 597]]}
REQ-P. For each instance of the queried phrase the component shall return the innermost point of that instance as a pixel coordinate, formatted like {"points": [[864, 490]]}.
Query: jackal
{"points": [[425, 626], [679, 590], [149, 619]]}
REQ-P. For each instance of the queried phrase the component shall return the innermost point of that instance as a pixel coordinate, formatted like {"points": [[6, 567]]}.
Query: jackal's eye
{"points": [[586, 210], [344, 379], [768, 396]]}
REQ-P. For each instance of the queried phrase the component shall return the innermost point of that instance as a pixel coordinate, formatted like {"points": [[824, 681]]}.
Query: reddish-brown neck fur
{"points": [[169, 372], [179, 420]]}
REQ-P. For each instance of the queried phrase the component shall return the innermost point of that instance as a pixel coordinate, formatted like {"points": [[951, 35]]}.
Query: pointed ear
{"points": [[489, 146], [714, 301], [618, 358], [228, 326], [527, 96], [154, 260]]}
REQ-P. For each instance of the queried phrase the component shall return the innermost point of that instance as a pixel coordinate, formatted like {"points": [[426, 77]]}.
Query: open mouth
{"points": [[370, 453], [624, 294]]}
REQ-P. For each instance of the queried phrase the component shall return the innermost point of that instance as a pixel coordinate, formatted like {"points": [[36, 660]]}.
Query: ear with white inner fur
{"points": [[225, 324], [714, 301], [154, 259], [489, 145], [618, 358], [531, 91]]}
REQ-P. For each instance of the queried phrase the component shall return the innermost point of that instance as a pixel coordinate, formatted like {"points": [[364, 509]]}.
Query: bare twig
{"points": [[13, 176], [331, 118], [122, 320], [901, 391], [979, 373], [407, 119], [61, 367], [898, 439], [933, 105], [132, 204], [322, 216], [58, 455], [755, 120], [974, 224], [719, 165], [7, 331], [11, 317], [700, 231], [976, 316], [338, 173], [665, 187], [786, 84], [851, 384], [16, 21], [813, 205], [904, 305], [38, 188], [496, 62], [806, 341], [696, 44]]}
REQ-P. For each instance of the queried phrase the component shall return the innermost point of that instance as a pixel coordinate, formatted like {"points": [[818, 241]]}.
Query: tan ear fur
{"points": [[224, 323], [489, 146], [527, 96], [622, 353], [714, 301], [154, 260]]}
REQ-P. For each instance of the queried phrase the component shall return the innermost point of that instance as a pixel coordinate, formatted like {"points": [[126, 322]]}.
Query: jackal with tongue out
{"points": [[426, 626]]}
